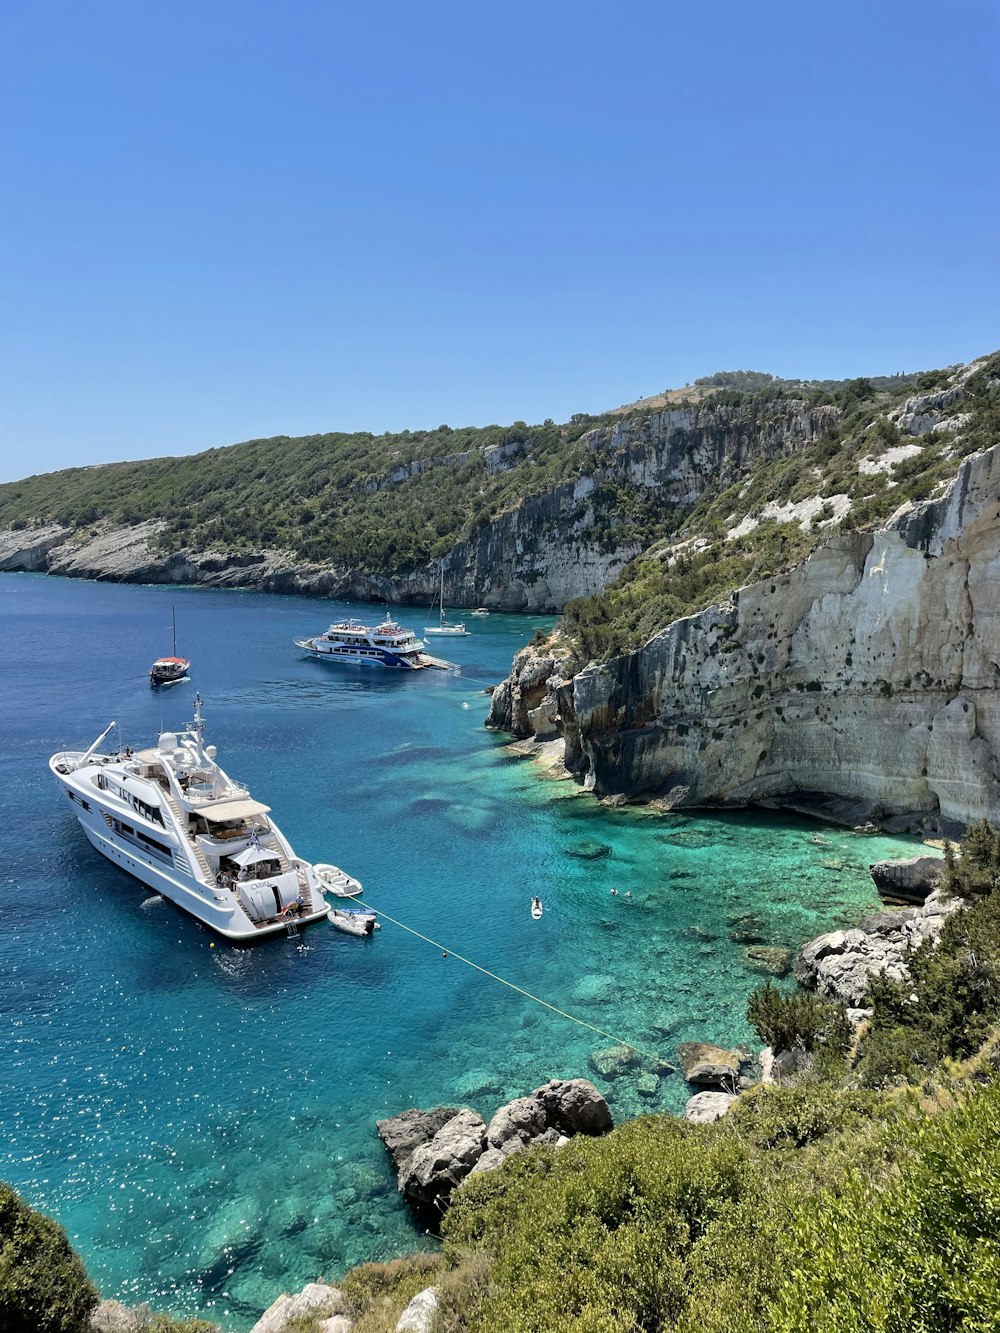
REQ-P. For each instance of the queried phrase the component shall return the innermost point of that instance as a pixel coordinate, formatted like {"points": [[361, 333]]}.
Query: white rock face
{"points": [[840, 963], [869, 676], [315, 1301], [418, 1317], [704, 1107]]}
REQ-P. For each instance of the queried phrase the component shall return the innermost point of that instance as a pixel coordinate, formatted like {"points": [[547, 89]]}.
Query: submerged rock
{"points": [[587, 849], [771, 958], [709, 1066], [613, 1061]]}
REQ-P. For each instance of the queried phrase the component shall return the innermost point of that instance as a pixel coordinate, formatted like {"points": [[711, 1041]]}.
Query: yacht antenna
{"points": [[173, 621]]}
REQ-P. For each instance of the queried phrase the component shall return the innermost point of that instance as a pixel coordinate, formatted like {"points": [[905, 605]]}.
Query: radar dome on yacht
{"points": [[211, 751], [167, 742]]}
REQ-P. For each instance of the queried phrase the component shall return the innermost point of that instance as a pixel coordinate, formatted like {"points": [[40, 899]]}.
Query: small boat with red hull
{"points": [[168, 670]]}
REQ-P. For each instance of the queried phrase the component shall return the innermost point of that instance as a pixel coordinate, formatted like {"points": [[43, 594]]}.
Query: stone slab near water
{"points": [[436, 1150]]}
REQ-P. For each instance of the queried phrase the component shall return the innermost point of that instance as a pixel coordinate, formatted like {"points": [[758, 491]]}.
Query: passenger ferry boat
{"points": [[387, 645], [175, 820]]}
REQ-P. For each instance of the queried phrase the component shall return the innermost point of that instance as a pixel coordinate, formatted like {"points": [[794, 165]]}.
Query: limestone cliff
{"points": [[868, 676], [563, 542]]}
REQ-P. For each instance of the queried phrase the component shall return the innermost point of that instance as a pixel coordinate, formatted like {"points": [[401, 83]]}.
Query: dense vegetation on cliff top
{"points": [[861, 1197], [394, 503]]}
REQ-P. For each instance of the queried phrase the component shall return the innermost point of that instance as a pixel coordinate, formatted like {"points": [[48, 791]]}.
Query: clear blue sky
{"points": [[225, 220]]}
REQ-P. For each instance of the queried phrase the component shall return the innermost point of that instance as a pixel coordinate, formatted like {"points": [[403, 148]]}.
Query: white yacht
{"points": [[356, 644], [175, 820]]}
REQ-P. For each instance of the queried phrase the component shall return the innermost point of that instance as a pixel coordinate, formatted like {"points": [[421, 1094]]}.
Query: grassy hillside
{"points": [[324, 497], [391, 504]]}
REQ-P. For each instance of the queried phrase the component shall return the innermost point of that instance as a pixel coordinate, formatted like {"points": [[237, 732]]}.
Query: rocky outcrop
{"points": [[708, 1066], [840, 963], [864, 684], [434, 1151], [435, 1168], [418, 1317], [706, 1107], [526, 702], [27, 549], [315, 1302], [909, 881]]}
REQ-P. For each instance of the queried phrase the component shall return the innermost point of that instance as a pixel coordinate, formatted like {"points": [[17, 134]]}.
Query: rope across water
{"points": [[581, 1022]]}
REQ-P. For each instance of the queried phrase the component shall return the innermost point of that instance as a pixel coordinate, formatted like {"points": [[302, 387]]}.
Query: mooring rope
{"points": [[582, 1022]]}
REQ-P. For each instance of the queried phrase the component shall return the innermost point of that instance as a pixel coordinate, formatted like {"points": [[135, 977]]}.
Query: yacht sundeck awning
{"points": [[227, 810], [252, 856]]}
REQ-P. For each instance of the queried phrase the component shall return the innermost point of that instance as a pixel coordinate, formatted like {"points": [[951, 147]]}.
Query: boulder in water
{"points": [[613, 1061], [709, 1066], [574, 1106], [438, 1166]]}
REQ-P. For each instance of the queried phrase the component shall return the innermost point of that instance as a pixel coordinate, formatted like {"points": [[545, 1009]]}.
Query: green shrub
{"points": [[922, 1254], [44, 1287], [786, 1020]]}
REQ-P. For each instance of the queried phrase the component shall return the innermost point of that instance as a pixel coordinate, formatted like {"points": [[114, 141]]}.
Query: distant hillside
{"points": [[642, 513]]}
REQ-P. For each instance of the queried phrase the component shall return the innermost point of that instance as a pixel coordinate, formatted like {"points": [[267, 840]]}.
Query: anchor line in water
{"points": [[582, 1022]]}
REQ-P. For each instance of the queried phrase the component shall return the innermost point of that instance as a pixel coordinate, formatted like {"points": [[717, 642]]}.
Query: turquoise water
{"points": [[201, 1119]]}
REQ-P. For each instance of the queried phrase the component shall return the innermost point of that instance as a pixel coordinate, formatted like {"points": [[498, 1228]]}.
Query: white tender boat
{"points": [[354, 920], [175, 820]]}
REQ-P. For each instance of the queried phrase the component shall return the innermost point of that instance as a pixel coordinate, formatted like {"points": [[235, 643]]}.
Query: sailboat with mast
{"points": [[168, 670], [450, 627]]}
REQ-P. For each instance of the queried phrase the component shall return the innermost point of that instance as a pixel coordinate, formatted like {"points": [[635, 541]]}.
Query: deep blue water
{"points": [[201, 1118]]}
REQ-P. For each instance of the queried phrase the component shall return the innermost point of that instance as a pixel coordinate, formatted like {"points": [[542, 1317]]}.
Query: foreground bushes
{"points": [[809, 1208], [43, 1285]]}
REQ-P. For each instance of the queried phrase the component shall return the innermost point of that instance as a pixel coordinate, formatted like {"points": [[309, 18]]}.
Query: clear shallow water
{"points": [[201, 1119]]}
